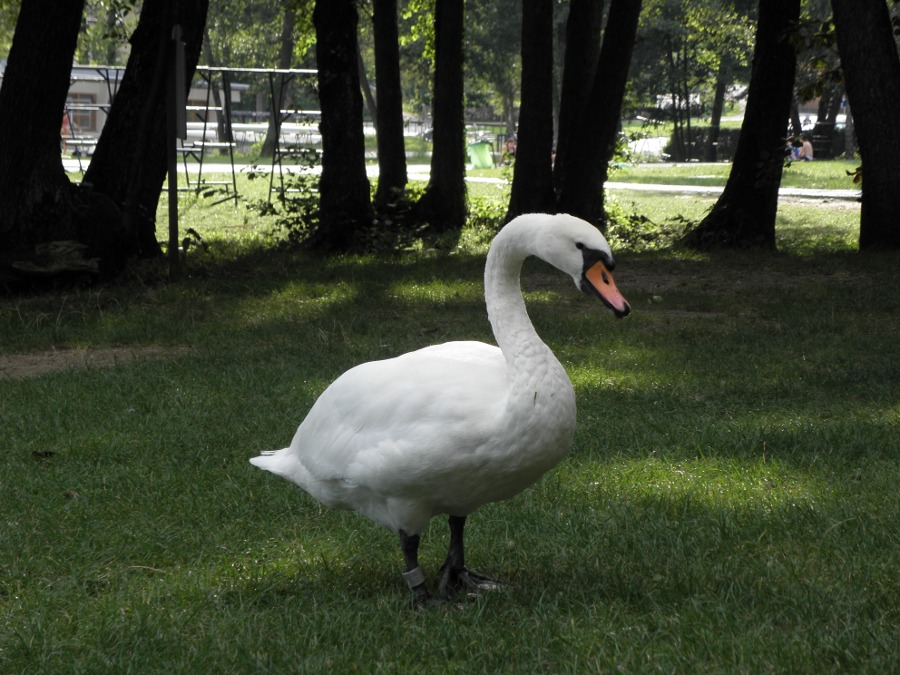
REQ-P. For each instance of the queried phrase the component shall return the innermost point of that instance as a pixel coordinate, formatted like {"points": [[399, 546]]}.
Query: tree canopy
{"points": [[553, 66]]}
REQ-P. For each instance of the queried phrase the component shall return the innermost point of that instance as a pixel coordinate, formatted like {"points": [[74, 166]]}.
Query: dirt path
{"points": [[25, 366]]}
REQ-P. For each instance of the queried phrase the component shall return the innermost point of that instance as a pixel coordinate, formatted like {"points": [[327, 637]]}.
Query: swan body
{"points": [[448, 428]]}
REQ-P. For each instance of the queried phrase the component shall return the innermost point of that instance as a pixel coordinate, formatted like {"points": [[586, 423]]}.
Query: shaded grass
{"points": [[730, 504]]}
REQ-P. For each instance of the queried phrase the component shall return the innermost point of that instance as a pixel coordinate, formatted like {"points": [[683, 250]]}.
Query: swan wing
{"points": [[402, 426]]}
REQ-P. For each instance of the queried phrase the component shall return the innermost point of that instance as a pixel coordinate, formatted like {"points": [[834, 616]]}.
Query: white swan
{"points": [[448, 428]]}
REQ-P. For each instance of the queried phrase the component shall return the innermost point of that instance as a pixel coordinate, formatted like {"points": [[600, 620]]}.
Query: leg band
{"points": [[415, 577]]}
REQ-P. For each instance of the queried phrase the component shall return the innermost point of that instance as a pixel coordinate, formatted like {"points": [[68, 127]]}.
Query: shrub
{"points": [[632, 231]]}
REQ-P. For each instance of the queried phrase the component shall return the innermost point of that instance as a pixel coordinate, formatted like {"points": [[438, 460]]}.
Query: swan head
{"points": [[577, 248]]}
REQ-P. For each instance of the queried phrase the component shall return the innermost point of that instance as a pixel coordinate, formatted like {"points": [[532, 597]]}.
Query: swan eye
{"points": [[579, 246]]}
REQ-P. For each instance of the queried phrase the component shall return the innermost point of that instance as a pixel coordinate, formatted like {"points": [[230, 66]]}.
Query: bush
{"points": [[632, 231], [487, 213]]}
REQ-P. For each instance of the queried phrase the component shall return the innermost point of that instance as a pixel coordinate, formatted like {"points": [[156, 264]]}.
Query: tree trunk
{"points": [[872, 78], [344, 204], [129, 164], [35, 193], [796, 124], [532, 187], [214, 92], [829, 104], [582, 191], [710, 153], [389, 127], [584, 28], [679, 151], [285, 60], [744, 215], [366, 88], [443, 206]]}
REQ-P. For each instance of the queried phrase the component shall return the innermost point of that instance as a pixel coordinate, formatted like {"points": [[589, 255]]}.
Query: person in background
{"points": [[508, 155], [65, 131], [806, 149]]}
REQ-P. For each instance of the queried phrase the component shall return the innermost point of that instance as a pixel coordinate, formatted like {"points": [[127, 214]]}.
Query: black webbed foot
{"points": [[456, 577], [422, 599], [456, 580], [415, 580]]}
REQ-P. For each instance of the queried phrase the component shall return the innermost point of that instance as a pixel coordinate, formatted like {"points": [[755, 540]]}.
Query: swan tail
{"points": [[279, 462], [286, 464]]}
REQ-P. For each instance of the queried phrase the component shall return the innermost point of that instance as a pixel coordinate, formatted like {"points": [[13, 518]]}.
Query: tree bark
{"points": [[710, 153], [129, 164], [582, 189], [344, 203], [392, 174], [366, 88], [584, 28], [35, 193], [744, 215], [872, 79], [443, 205], [532, 187]]}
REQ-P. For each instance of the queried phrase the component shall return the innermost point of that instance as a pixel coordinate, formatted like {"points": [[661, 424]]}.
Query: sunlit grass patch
{"points": [[437, 291], [822, 174], [823, 226]]}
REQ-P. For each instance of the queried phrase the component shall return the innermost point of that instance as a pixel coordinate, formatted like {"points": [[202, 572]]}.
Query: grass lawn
{"points": [[821, 175], [730, 504]]}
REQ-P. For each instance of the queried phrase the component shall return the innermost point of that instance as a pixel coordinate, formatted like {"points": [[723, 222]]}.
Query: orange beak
{"points": [[600, 280]]}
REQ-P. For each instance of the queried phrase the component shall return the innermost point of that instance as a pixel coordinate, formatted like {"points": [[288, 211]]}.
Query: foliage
{"points": [[9, 12], [685, 48], [247, 35], [487, 213], [105, 31], [633, 231], [624, 152], [299, 202], [818, 63], [296, 208], [395, 228], [493, 58], [104, 34], [295, 213], [682, 45], [417, 52]]}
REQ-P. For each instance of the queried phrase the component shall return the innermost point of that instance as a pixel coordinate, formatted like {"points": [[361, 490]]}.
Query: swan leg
{"points": [[455, 576], [414, 576]]}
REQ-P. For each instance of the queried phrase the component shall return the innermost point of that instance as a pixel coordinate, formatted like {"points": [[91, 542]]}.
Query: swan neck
{"points": [[509, 319]]}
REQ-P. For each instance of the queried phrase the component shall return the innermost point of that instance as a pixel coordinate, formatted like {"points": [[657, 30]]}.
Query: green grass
{"points": [[820, 175], [823, 225], [730, 504]]}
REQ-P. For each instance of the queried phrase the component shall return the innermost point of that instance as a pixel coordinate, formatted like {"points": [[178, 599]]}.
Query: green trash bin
{"points": [[480, 155]]}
